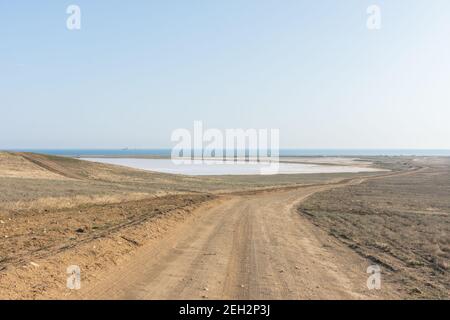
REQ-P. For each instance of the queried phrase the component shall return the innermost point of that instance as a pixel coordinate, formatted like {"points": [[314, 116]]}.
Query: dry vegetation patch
{"points": [[401, 223]]}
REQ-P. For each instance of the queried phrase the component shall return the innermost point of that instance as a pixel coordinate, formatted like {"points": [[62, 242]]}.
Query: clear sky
{"points": [[137, 70]]}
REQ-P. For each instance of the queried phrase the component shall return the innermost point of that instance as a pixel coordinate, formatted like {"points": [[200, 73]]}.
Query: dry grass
{"points": [[12, 166], [401, 223]]}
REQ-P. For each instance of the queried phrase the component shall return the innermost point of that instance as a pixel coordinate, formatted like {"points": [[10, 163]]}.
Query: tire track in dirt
{"points": [[49, 165], [248, 246]]}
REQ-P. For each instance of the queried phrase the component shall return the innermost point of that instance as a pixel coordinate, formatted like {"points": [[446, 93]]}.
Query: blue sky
{"points": [[138, 70]]}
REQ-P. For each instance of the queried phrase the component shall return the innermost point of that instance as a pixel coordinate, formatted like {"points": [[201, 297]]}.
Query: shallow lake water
{"points": [[227, 167]]}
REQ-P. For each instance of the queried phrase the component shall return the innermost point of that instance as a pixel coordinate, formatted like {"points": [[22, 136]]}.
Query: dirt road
{"points": [[243, 247]]}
